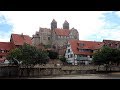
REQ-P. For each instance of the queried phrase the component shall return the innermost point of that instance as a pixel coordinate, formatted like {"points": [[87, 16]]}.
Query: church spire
{"points": [[65, 25], [53, 24]]}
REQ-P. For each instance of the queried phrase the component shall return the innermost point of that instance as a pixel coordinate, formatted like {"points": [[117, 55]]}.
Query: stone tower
{"points": [[65, 25], [53, 24]]}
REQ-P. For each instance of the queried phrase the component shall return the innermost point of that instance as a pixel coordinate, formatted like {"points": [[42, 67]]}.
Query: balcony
{"points": [[83, 58]]}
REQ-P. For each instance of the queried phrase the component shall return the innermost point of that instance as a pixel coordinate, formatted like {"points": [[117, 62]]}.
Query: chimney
{"points": [[22, 35]]}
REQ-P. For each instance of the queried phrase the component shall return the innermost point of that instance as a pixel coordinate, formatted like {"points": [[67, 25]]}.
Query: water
{"points": [[86, 76]]}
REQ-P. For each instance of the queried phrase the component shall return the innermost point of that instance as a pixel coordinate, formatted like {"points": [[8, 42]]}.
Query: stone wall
{"points": [[9, 71]]}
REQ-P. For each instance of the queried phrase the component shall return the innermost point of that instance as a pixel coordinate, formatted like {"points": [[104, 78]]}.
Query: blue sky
{"points": [[5, 29], [91, 25]]}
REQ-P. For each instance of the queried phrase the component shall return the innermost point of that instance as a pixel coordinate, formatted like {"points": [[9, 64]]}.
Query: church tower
{"points": [[65, 25], [53, 24]]}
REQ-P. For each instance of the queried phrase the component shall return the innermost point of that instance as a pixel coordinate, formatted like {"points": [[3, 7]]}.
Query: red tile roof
{"points": [[21, 39], [75, 45], [112, 43], [62, 32], [5, 46]]}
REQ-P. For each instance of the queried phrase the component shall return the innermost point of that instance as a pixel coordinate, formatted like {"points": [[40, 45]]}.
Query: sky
{"points": [[91, 25]]}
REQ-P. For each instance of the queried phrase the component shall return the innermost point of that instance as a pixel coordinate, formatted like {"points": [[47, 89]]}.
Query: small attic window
{"points": [[81, 44]]}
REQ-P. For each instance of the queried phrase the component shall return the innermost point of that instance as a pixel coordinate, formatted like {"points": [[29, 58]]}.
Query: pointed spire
{"points": [[65, 25], [65, 21], [53, 20]]}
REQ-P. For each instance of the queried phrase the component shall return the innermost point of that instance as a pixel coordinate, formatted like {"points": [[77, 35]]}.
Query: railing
{"points": [[83, 58]]}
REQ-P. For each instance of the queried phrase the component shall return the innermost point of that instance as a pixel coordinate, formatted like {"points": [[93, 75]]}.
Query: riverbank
{"points": [[115, 75]]}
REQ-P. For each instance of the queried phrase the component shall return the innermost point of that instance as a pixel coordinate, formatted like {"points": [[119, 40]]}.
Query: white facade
{"points": [[73, 60], [70, 56]]}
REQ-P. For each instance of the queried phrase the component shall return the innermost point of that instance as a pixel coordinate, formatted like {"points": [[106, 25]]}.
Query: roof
{"points": [[111, 40], [75, 45], [112, 43], [5, 45], [53, 20], [62, 32], [66, 21], [21, 39]]}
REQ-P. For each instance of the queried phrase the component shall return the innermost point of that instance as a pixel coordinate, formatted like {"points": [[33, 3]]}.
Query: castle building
{"points": [[56, 37]]}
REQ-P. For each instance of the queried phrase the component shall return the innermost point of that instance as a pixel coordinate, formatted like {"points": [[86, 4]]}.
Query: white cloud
{"points": [[28, 22]]}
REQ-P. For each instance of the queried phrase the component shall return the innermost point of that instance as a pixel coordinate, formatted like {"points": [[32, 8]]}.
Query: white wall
{"points": [[71, 52]]}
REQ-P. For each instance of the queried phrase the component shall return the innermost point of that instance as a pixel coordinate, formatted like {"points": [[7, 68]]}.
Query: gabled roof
{"points": [[75, 45], [21, 39], [62, 32], [5, 45]]}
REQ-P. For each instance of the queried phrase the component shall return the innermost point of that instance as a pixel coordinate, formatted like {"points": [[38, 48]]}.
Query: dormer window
{"points": [[37, 34], [110, 44], [81, 44]]}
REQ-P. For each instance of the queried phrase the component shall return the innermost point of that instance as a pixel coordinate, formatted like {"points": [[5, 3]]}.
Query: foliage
{"points": [[47, 46], [106, 55], [53, 55], [63, 59], [28, 55]]}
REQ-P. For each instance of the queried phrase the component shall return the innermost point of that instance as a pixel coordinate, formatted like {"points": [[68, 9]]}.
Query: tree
{"points": [[63, 59], [102, 56], [28, 55], [13, 55], [107, 56], [53, 55]]}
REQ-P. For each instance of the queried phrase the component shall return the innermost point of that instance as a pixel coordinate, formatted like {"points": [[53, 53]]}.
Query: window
{"points": [[71, 55], [48, 38], [44, 38], [37, 34], [110, 44], [68, 56], [42, 30], [82, 44], [2, 51], [68, 50], [90, 56], [68, 45]]}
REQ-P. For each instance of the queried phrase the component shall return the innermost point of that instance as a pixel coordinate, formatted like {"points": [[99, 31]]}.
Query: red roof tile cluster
{"points": [[112, 43], [5, 46], [79, 44], [21, 39], [62, 32]]}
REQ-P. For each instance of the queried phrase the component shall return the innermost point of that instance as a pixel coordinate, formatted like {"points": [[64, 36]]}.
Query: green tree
{"points": [[28, 55], [102, 56], [63, 59], [53, 55], [107, 56]]}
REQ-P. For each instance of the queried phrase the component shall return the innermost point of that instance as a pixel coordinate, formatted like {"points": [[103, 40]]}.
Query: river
{"points": [[86, 76]]}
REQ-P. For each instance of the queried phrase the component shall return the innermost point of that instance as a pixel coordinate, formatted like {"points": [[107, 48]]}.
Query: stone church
{"points": [[55, 37]]}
